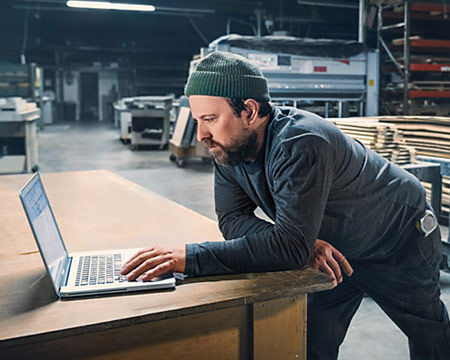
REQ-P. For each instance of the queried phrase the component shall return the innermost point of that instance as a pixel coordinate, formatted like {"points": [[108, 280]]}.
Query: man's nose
{"points": [[202, 132]]}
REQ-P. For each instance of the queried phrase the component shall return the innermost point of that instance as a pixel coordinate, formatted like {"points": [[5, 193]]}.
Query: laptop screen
{"points": [[45, 229]]}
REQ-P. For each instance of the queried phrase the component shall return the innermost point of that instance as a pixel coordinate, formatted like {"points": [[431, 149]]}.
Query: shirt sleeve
{"points": [[301, 173], [234, 208]]}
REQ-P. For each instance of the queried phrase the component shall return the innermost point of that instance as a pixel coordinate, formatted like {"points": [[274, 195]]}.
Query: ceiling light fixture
{"points": [[105, 5]]}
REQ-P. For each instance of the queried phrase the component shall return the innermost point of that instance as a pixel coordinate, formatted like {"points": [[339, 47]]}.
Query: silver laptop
{"points": [[82, 273]]}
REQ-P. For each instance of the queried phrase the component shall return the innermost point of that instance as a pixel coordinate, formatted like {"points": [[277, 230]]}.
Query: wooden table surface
{"points": [[101, 210]]}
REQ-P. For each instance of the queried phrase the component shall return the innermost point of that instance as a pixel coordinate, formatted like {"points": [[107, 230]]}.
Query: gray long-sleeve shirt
{"points": [[313, 182]]}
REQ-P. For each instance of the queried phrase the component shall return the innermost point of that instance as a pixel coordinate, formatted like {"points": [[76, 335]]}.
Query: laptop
{"points": [[82, 273]]}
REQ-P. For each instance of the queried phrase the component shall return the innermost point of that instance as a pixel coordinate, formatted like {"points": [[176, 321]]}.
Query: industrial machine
{"points": [[144, 120], [25, 81], [18, 135], [299, 70]]}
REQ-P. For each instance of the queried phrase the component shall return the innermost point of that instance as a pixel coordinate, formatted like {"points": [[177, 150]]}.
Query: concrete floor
{"points": [[80, 146]]}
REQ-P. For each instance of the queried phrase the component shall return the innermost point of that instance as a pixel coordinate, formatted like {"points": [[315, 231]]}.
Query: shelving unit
{"points": [[415, 68]]}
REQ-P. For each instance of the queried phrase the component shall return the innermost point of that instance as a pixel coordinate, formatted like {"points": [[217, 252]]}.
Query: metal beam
{"points": [[299, 20], [328, 4], [393, 26], [391, 56]]}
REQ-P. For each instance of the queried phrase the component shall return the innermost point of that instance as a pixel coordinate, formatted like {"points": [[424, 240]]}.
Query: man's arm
{"points": [[152, 262], [302, 177], [234, 208], [302, 182]]}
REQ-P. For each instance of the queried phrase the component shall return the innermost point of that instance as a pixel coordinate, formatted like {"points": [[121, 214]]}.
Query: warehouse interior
{"points": [[88, 89]]}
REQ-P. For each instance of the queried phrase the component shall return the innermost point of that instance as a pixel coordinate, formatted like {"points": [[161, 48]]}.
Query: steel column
{"points": [[361, 28], [406, 58]]}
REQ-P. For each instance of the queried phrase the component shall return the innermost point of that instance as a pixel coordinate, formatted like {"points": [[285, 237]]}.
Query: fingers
{"points": [[334, 265], [156, 271], [343, 263], [327, 259], [148, 264], [325, 268], [320, 263], [126, 265], [136, 260]]}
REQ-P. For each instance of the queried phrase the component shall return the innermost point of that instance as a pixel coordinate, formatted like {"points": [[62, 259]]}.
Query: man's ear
{"points": [[251, 112]]}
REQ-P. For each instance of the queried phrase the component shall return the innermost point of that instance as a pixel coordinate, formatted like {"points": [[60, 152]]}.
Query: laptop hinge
{"points": [[66, 271]]}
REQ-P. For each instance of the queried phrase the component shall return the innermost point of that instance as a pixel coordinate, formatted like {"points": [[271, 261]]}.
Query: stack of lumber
{"points": [[382, 137], [429, 135]]}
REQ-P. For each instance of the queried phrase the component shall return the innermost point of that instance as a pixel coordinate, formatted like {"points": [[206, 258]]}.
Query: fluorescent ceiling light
{"points": [[105, 5]]}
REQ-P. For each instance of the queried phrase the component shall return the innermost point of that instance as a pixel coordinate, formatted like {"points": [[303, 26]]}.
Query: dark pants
{"points": [[405, 286]]}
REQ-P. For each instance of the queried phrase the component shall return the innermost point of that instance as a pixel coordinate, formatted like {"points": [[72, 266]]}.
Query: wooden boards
{"points": [[382, 137], [426, 135], [429, 135]]}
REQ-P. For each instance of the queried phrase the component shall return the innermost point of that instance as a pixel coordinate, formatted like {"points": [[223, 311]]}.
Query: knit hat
{"points": [[227, 75]]}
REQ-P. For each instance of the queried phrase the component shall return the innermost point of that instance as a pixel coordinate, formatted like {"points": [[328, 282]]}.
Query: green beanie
{"points": [[227, 75]]}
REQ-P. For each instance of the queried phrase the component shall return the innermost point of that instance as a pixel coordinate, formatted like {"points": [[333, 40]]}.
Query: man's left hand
{"points": [[327, 259], [155, 261]]}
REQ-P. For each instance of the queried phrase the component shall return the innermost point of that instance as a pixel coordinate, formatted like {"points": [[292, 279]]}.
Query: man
{"points": [[313, 182]]}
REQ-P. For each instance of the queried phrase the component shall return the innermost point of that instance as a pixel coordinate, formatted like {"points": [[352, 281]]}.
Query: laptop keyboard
{"points": [[99, 270]]}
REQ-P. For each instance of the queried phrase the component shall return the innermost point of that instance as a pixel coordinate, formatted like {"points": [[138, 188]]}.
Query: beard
{"points": [[239, 151]]}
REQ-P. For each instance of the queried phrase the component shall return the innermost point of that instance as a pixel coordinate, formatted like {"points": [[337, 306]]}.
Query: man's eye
{"points": [[208, 119]]}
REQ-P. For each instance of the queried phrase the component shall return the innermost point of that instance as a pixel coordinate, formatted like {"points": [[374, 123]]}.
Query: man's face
{"points": [[229, 138]]}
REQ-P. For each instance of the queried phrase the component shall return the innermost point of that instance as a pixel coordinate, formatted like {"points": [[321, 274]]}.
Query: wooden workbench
{"points": [[240, 316]]}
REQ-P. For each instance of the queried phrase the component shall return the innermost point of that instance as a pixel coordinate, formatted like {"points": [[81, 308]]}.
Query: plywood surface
{"points": [[100, 210]]}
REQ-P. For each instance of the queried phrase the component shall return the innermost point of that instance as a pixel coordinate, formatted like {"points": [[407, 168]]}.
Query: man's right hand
{"points": [[327, 259], [155, 261]]}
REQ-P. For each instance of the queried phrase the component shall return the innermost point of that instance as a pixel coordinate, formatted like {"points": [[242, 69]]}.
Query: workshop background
{"points": [[84, 88]]}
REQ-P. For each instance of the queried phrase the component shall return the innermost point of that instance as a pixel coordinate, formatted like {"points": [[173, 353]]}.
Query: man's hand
{"points": [[325, 258], [149, 263]]}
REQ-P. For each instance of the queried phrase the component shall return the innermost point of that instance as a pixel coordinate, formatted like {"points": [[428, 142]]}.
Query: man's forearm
{"points": [[267, 251]]}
